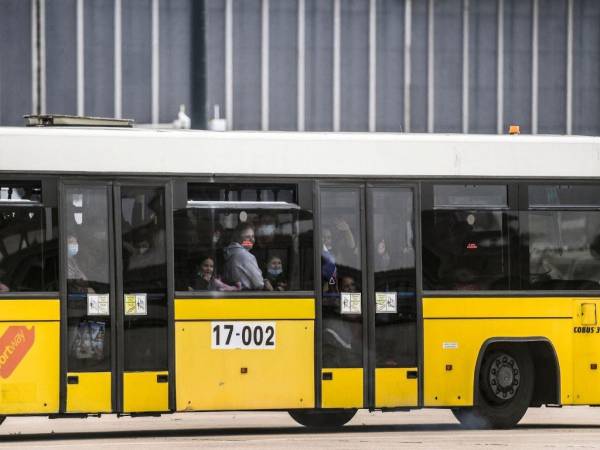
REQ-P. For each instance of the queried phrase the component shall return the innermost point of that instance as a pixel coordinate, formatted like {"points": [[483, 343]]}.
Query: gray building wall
{"points": [[350, 65]]}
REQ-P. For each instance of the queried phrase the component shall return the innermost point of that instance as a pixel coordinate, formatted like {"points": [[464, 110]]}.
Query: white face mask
{"points": [[265, 230], [73, 249]]}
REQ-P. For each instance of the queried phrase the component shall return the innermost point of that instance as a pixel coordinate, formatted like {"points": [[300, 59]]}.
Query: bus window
{"points": [[28, 240], [341, 277], [466, 239], [86, 225], [561, 235], [392, 222], [256, 242]]}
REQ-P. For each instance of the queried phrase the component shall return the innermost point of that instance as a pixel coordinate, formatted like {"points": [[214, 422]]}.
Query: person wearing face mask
{"points": [[77, 279], [275, 274], [206, 279], [241, 265]]}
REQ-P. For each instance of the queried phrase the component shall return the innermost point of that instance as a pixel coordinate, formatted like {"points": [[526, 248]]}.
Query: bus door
{"points": [[368, 331], [117, 338]]}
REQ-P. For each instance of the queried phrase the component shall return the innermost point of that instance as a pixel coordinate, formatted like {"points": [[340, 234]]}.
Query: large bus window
{"points": [[28, 240], [394, 273], [144, 250], [87, 228], [243, 239], [341, 277], [466, 239], [561, 235]]}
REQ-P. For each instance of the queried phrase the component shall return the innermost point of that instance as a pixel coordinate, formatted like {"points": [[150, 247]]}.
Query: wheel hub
{"points": [[504, 377]]}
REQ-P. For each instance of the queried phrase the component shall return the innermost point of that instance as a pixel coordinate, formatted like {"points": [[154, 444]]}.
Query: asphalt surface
{"points": [[552, 428]]}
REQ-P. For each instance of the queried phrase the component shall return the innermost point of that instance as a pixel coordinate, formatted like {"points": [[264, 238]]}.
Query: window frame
{"points": [[49, 200], [305, 188]]}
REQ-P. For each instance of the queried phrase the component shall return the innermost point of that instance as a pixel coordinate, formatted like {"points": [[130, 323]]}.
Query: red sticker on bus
{"points": [[14, 345], [471, 246]]}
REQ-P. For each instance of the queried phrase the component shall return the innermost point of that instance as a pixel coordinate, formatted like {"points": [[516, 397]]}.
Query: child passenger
{"points": [[275, 274], [206, 280]]}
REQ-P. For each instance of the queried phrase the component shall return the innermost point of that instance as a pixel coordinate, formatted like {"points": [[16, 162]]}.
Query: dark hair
{"points": [[239, 230]]}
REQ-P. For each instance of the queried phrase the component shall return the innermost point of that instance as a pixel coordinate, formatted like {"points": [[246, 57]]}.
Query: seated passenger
{"points": [[206, 279], [275, 274], [240, 265], [77, 279]]}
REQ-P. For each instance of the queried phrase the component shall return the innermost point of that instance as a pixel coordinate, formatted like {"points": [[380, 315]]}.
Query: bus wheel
{"points": [[322, 418], [505, 390]]}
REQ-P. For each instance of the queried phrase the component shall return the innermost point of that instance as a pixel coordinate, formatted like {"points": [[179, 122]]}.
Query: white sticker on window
{"points": [[136, 304], [386, 302], [98, 304], [243, 335], [350, 303]]}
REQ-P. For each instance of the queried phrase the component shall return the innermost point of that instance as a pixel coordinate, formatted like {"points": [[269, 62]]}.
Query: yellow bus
{"points": [[148, 272]]}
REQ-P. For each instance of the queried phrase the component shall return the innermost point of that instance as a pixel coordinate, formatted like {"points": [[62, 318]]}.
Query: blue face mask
{"points": [[73, 249], [274, 272]]}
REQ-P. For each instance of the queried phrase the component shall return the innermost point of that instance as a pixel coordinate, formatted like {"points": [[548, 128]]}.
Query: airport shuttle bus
{"points": [[148, 272]]}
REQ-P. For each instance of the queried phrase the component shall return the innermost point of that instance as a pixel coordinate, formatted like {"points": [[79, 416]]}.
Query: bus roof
{"points": [[191, 152]]}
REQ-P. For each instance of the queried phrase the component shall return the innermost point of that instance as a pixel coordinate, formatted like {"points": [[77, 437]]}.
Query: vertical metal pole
{"points": [[372, 65], [229, 63], [80, 60], [118, 61], [42, 55], [301, 63], [265, 66], [500, 69], [534, 67], [35, 69], [155, 61], [337, 13], [38, 56], [430, 68], [407, 62], [465, 68], [569, 124]]}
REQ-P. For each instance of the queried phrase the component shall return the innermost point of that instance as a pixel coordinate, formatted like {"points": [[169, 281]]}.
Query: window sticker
{"points": [[98, 304], [350, 303], [136, 304], [386, 302]]}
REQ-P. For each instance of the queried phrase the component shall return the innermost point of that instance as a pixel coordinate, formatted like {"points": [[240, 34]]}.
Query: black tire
{"points": [[323, 418], [503, 396]]}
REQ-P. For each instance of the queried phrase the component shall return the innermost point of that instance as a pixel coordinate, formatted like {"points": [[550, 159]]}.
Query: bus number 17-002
{"points": [[243, 335]]}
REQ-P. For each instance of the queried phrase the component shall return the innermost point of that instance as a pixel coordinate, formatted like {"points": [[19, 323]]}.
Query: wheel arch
{"points": [[543, 355]]}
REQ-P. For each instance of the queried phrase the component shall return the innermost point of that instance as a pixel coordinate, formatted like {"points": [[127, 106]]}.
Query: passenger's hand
{"points": [[268, 285], [342, 225]]}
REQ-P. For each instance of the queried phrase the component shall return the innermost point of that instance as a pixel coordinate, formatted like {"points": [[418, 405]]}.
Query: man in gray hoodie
{"points": [[240, 264]]}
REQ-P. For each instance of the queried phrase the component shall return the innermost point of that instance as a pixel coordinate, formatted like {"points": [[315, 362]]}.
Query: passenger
{"points": [[78, 280], [3, 287], [240, 265], [347, 284], [338, 249], [382, 257], [276, 275], [207, 280], [328, 263]]}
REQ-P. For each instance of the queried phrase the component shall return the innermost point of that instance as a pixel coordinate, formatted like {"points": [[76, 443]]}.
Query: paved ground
{"points": [[541, 428]]}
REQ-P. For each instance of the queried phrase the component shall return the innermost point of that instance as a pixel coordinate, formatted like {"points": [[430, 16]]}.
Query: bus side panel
{"points": [[455, 329], [586, 348], [29, 356], [210, 378]]}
